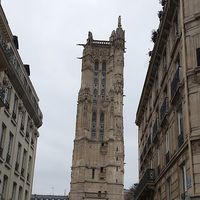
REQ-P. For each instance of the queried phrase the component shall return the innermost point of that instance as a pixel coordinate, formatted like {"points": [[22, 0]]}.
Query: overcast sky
{"points": [[48, 32]]}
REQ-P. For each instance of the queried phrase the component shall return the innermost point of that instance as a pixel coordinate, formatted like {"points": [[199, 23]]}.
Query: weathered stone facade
{"points": [[98, 156], [20, 118], [168, 115]]}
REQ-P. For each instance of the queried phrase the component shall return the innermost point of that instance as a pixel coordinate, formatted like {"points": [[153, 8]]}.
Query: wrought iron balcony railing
{"points": [[164, 109], [146, 181]]}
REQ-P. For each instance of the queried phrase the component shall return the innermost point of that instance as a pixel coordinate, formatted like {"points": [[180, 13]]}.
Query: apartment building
{"points": [[20, 118], [168, 115]]}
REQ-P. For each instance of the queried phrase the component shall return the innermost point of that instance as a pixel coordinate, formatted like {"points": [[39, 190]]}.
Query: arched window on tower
{"points": [[95, 81], [103, 80], [101, 133], [96, 68], [104, 68], [94, 122]]}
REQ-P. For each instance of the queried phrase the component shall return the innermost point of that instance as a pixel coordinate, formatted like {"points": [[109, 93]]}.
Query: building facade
{"points": [[168, 114], [48, 197], [98, 155], [20, 117]]}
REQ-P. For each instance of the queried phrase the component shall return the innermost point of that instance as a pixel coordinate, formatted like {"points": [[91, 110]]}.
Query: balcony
{"points": [[164, 110], [175, 86], [146, 186], [180, 140], [11, 62]]}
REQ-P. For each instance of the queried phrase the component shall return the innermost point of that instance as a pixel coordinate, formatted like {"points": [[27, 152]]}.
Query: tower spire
{"points": [[119, 22]]}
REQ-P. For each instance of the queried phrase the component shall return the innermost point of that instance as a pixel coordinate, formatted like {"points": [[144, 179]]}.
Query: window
{"points": [[158, 155], [167, 141], [22, 121], [101, 169], [2, 138], [183, 178], [94, 121], [198, 57], [159, 194], [180, 121], [28, 129], [96, 66], [164, 59], [5, 184], [168, 189], [29, 168], [93, 173], [14, 190], [101, 126], [26, 195], [20, 193], [14, 114], [24, 161], [103, 69], [180, 126], [10, 146], [18, 156], [176, 24]]}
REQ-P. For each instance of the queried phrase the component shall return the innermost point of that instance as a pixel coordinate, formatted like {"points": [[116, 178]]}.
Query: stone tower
{"points": [[98, 155]]}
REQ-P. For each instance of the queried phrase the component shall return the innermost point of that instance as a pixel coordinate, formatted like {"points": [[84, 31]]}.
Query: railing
{"points": [[101, 42], [95, 195], [164, 109], [16, 69], [180, 140], [175, 83], [148, 178]]}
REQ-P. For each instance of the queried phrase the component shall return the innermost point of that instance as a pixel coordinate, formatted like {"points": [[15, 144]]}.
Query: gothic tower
{"points": [[98, 155]]}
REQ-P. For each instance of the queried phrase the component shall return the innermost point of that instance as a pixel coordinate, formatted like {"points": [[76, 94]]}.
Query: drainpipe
{"points": [[186, 95]]}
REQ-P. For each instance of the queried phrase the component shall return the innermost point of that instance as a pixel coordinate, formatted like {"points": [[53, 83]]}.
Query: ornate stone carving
{"points": [[118, 87], [84, 95], [101, 54]]}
